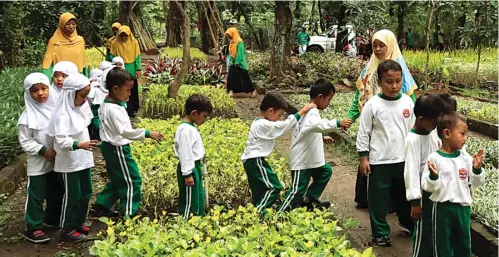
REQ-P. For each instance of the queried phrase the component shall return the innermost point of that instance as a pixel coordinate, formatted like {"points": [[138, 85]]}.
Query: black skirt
{"points": [[133, 100], [239, 81]]}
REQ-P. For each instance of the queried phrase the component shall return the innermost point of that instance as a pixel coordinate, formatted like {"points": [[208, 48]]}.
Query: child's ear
{"points": [[446, 133], [194, 113]]}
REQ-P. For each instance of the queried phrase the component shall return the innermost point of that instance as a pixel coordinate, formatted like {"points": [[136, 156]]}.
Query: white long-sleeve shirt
{"points": [[32, 141], [68, 159], [116, 127], [262, 135], [418, 146], [188, 147], [307, 146], [384, 125], [451, 183]]}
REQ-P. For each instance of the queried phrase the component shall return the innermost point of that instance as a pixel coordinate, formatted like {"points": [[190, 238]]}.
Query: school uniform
{"points": [[34, 141], [190, 151], [307, 159], [69, 127], [418, 146], [96, 97], [263, 181], [451, 198], [124, 176], [384, 125]]}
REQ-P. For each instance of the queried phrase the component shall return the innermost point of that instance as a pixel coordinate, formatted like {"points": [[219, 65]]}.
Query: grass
{"points": [[94, 57], [178, 53]]}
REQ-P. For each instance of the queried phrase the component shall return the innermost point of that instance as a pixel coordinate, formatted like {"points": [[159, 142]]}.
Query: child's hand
{"points": [[156, 136], [327, 139], [89, 145], [345, 123], [49, 154], [416, 212], [478, 159], [433, 168], [189, 181], [365, 169]]}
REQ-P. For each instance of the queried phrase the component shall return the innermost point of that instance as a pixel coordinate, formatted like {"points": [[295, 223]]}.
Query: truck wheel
{"points": [[315, 49]]}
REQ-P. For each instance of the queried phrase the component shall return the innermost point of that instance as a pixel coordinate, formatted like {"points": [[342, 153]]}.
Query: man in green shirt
{"points": [[303, 39]]}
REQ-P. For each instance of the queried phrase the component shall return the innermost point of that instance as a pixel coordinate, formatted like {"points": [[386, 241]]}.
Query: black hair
{"points": [[450, 104], [273, 100], [388, 65], [322, 87], [199, 103], [429, 105], [449, 121], [117, 76]]}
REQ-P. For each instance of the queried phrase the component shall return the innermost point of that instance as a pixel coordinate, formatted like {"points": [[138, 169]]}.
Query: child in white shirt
{"points": [[118, 62], [60, 72]]}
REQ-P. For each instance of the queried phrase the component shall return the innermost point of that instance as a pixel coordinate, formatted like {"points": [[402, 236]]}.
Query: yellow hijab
{"points": [[111, 39], [65, 48], [129, 50], [367, 83], [235, 39]]}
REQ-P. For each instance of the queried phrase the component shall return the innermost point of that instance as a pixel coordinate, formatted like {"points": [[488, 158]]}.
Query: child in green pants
{"points": [[263, 181], [385, 121], [419, 145], [189, 150], [447, 177], [117, 134]]}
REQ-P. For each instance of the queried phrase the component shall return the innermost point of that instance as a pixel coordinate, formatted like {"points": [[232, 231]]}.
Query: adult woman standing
{"points": [[126, 46], [385, 47], [238, 81], [115, 27], [65, 45]]}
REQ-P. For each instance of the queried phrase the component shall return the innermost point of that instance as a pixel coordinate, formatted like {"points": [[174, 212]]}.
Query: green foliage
{"points": [[178, 53], [485, 111], [485, 206], [335, 65], [228, 184], [159, 105], [491, 147], [94, 57], [238, 232]]}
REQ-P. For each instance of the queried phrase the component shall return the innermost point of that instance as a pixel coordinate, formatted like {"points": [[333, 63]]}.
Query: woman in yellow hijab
{"points": [[115, 27], [65, 45], [238, 81], [127, 47]]}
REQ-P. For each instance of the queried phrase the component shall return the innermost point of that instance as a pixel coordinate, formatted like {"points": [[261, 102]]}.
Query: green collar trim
{"points": [[390, 98], [449, 155], [120, 103], [189, 123], [420, 132]]}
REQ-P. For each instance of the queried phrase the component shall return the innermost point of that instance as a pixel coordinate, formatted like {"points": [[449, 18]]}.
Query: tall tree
{"points": [[281, 44], [321, 18], [402, 6], [186, 47], [342, 35], [173, 23], [433, 6], [203, 29], [297, 11], [130, 15]]}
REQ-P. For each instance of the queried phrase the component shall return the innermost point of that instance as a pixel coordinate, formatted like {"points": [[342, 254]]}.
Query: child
{"points": [[118, 62], [61, 71], [96, 96], [263, 181], [385, 122], [190, 150], [117, 133], [418, 146], [74, 157], [446, 178], [104, 65], [39, 99], [307, 150]]}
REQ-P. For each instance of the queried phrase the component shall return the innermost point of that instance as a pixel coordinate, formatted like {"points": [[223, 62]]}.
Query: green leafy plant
{"points": [[485, 207], [178, 53], [485, 111]]}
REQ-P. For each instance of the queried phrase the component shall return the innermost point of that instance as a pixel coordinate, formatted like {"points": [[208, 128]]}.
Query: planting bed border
{"points": [[483, 242], [483, 127], [12, 174]]}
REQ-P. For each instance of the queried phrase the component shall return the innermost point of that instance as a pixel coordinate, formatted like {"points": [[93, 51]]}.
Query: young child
{"points": [[446, 178], [118, 62], [189, 150], [61, 71], [385, 122], [74, 158], [263, 181], [96, 97], [117, 134], [39, 99], [307, 151], [104, 65], [418, 146]]}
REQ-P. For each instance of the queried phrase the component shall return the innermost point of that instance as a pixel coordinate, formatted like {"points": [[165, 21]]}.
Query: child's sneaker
{"points": [[383, 241], [37, 236], [72, 235], [84, 229], [405, 230], [312, 203], [97, 210]]}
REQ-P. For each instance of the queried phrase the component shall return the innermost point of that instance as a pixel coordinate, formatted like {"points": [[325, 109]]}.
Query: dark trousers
{"points": [[133, 101], [361, 189], [239, 81]]}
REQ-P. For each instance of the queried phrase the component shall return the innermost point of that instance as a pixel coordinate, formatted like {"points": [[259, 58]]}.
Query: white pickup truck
{"points": [[327, 41]]}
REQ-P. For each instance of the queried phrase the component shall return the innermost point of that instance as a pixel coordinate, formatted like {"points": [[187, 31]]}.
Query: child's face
{"points": [[456, 137], [39, 92], [428, 124], [81, 95], [379, 49], [118, 64], [199, 117], [274, 114], [123, 93], [59, 78], [123, 37], [322, 101], [391, 83]]}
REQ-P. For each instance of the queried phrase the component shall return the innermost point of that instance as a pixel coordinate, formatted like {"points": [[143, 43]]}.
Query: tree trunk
{"points": [[130, 15], [311, 18], [281, 46], [342, 35], [212, 33], [321, 19], [173, 38], [297, 11], [203, 29], [253, 31], [433, 8], [400, 18], [125, 10], [186, 47]]}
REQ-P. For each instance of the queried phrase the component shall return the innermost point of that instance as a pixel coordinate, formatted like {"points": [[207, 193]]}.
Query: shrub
{"points": [[94, 57], [178, 53]]}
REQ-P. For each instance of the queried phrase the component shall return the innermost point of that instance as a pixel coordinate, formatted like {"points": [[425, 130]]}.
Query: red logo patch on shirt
{"points": [[406, 113], [463, 174]]}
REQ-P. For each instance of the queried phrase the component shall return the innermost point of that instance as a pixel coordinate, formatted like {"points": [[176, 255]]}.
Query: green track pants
{"points": [[124, 180], [299, 187], [77, 193], [191, 198], [263, 183], [451, 230], [43, 187], [422, 242]]}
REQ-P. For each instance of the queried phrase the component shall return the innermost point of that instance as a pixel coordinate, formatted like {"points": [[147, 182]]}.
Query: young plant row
{"points": [[485, 111]]}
